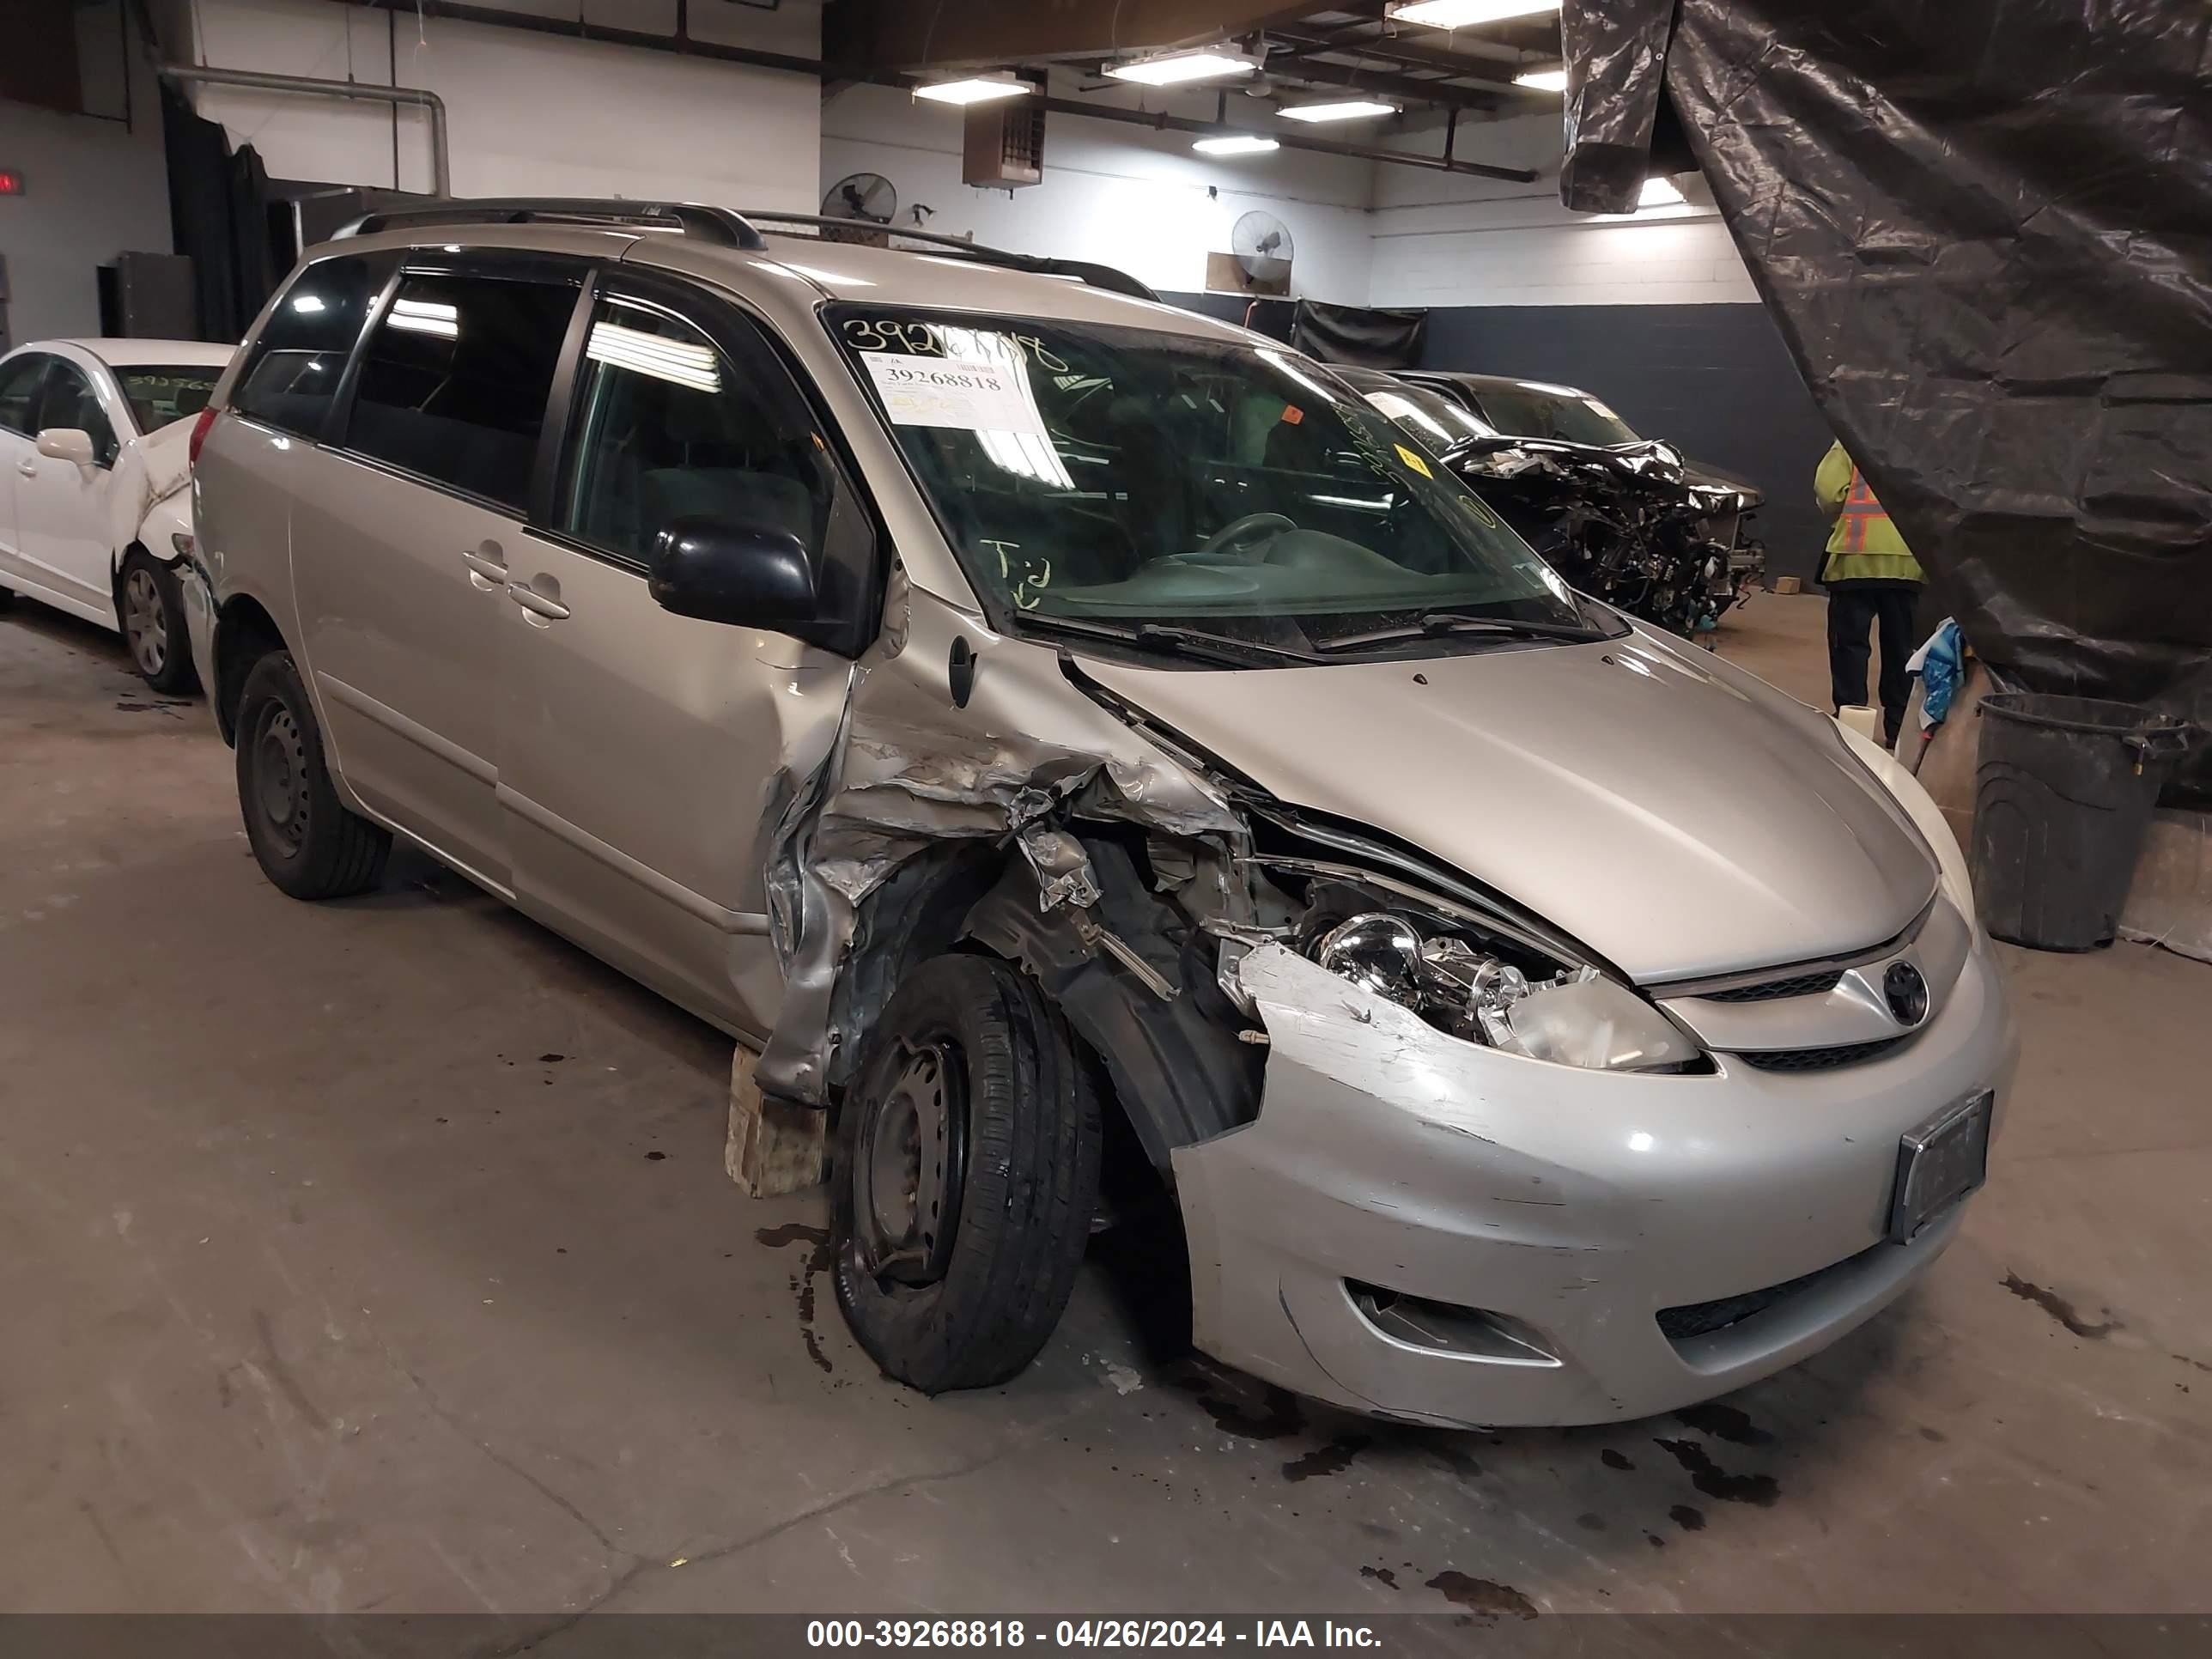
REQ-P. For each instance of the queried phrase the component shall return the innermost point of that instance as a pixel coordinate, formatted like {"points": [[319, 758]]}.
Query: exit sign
{"points": [[11, 182]]}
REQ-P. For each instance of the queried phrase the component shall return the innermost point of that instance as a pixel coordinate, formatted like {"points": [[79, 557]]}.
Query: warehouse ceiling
{"points": [[1305, 55], [1351, 46]]}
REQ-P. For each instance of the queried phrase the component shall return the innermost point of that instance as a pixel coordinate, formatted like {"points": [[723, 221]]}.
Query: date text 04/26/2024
{"points": [[1089, 1633]]}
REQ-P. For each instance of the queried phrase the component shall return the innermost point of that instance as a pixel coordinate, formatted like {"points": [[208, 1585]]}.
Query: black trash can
{"points": [[2063, 789]]}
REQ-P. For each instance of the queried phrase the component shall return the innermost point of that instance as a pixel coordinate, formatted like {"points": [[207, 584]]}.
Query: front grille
{"points": [[1819, 1060], [1704, 1318], [1803, 985]]}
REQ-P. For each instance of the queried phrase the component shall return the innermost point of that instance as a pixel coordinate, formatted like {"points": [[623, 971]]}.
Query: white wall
{"points": [[1113, 193], [1443, 238], [92, 189], [529, 113]]}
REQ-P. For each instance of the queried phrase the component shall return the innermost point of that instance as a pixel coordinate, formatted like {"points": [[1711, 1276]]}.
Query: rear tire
{"points": [[303, 837], [151, 614], [964, 1296]]}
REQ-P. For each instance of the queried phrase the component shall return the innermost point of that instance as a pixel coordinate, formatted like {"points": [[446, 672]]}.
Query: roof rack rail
{"points": [[717, 225], [1098, 275]]}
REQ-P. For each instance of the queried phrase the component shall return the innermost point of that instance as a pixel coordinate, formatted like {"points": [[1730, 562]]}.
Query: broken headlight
{"points": [[1576, 1016]]}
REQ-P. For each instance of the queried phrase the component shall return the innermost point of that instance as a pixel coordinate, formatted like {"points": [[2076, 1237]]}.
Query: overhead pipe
{"points": [[1164, 123], [441, 173]]}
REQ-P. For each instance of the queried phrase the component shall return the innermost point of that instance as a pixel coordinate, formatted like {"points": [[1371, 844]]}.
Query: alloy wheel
{"points": [[145, 623]]}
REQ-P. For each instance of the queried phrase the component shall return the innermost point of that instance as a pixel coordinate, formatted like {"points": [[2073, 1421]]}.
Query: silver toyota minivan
{"points": [[1013, 704]]}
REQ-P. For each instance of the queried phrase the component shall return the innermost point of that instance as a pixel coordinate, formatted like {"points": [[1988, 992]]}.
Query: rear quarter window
{"points": [[293, 369]]}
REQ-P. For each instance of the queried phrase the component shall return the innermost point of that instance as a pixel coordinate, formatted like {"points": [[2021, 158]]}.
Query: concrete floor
{"points": [[379, 1255]]}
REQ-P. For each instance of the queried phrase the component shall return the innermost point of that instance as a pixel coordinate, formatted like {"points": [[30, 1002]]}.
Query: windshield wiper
{"points": [[1193, 642], [1436, 622]]}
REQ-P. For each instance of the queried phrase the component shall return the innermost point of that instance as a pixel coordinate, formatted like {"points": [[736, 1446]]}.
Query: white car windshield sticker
{"points": [[970, 393]]}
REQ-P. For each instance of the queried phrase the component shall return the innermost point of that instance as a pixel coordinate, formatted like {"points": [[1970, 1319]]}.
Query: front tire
{"points": [[966, 1176], [303, 837], [152, 616]]}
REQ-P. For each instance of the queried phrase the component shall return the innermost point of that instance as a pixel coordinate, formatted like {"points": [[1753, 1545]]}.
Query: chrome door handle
{"points": [[487, 573], [530, 599]]}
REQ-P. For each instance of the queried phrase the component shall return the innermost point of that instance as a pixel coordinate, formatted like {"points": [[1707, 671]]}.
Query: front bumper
{"points": [[1572, 1205]]}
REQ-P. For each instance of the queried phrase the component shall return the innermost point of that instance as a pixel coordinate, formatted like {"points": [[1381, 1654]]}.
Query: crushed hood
{"points": [[1676, 815]]}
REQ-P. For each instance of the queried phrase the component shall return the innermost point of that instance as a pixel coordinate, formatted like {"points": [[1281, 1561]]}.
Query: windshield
{"points": [[1439, 421], [1530, 410], [159, 395], [1125, 481]]}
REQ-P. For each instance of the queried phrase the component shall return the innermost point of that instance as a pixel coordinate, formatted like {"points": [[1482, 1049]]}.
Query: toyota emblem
{"points": [[1906, 993]]}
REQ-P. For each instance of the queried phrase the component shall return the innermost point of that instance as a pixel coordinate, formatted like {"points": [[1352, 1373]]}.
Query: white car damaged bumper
{"points": [[1421, 1228]]}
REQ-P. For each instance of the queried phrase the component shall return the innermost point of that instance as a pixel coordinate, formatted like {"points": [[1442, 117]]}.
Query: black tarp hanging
{"points": [[1985, 231], [1385, 338], [219, 215]]}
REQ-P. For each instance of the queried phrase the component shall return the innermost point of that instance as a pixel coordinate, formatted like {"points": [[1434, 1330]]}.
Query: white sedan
{"points": [[95, 510]]}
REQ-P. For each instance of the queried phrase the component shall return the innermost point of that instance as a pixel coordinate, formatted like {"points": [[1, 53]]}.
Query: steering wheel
{"points": [[1214, 549]]}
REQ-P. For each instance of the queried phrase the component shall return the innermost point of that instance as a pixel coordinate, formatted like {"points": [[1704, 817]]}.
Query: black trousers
{"points": [[1887, 608]]}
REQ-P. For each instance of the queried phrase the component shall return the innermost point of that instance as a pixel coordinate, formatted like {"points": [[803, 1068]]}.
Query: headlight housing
{"points": [[1570, 1017]]}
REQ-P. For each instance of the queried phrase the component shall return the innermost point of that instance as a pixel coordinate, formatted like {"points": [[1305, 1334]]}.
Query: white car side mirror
{"points": [[68, 443]]}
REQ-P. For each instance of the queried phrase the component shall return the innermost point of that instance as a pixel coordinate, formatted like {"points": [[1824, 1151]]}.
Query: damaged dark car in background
{"points": [[1625, 519]]}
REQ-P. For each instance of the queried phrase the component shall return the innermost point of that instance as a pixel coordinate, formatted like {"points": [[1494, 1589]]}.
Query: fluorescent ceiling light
{"points": [[1349, 109], [1542, 79], [1462, 14], [975, 89], [1659, 192], [680, 363], [1176, 68], [426, 317], [1238, 144]]}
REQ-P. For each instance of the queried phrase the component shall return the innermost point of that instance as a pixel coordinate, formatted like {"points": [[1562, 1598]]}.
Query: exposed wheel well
{"points": [[244, 634]]}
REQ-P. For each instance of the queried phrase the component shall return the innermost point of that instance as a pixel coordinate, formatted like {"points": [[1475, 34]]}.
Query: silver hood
{"points": [[1678, 816]]}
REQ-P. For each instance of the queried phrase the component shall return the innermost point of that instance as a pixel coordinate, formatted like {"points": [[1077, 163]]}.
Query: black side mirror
{"points": [[731, 573]]}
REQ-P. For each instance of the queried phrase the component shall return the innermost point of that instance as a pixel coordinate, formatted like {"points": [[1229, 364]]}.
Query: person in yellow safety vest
{"points": [[1873, 581]]}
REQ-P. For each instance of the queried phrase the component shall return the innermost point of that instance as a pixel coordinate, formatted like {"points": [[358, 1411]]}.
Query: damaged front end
{"points": [[1434, 1158], [1631, 525], [1131, 878]]}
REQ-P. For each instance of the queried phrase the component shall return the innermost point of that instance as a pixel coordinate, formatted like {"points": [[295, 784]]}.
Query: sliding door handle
{"points": [[487, 570], [531, 600]]}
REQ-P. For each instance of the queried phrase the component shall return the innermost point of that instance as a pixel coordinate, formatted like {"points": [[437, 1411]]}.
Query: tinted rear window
{"points": [[159, 394], [454, 380], [293, 372]]}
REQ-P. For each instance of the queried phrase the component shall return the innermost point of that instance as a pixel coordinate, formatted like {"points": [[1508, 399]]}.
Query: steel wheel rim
{"points": [[280, 777], [906, 1169], [145, 621]]}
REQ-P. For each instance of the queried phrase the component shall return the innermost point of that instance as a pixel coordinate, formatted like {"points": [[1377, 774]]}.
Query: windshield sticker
{"points": [[1412, 460], [970, 394], [915, 339], [1292, 415]]}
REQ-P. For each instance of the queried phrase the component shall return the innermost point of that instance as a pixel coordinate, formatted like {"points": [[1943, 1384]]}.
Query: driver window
{"points": [[19, 390], [670, 426], [69, 400]]}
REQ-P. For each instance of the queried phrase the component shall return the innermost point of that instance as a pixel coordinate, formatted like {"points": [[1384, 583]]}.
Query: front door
{"points": [[640, 750], [401, 531], [61, 508], [19, 453]]}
